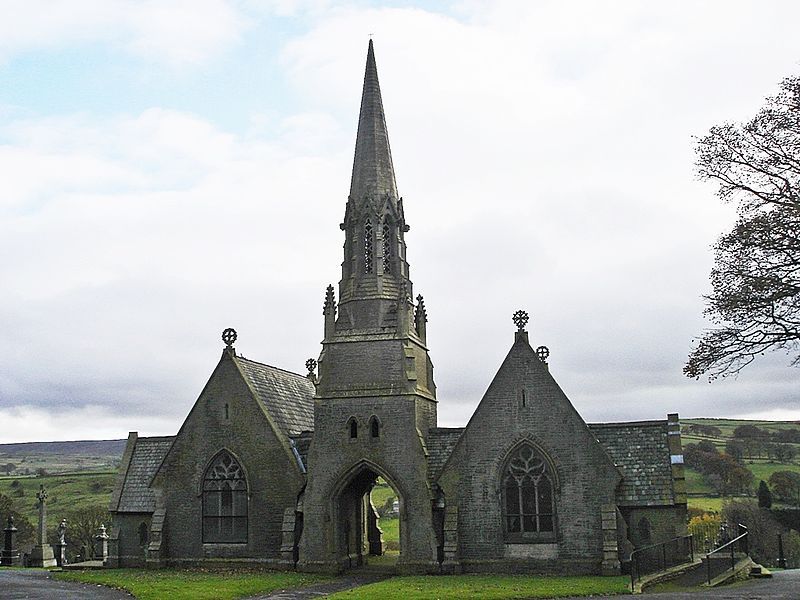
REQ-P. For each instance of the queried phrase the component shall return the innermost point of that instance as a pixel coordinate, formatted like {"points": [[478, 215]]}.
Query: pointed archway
{"points": [[357, 534]]}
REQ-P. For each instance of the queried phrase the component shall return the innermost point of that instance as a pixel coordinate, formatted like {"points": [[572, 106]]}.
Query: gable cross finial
{"points": [[229, 337], [543, 352], [520, 319], [311, 365]]}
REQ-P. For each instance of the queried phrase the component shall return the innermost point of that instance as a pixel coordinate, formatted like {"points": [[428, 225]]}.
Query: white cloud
{"points": [[545, 154], [177, 32]]}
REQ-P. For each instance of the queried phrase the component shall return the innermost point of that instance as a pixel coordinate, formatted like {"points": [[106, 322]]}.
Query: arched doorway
{"points": [[366, 501]]}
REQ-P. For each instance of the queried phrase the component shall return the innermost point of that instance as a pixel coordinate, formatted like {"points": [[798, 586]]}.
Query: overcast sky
{"points": [[172, 168]]}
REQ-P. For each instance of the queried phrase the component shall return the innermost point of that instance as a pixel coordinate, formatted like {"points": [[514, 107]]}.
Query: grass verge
{"points": [[486, 587], [185, 584]]}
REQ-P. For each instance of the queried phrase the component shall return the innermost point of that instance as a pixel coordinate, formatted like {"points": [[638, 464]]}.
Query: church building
{"points": [[276, 468]]}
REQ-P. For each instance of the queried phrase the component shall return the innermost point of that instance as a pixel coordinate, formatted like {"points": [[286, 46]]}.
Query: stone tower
{"points": [[375, 397]]}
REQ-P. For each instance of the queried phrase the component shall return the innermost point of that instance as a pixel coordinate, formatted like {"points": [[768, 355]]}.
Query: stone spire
{"points": [[375, 266], [373, 173]]}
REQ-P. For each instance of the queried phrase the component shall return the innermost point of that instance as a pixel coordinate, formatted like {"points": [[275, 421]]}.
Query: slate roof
{"points": [[287, 396], [147, 456], [440, 443], [641, 452]]}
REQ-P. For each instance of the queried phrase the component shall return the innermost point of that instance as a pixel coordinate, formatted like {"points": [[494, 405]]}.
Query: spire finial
{"points": [[330, 301]]}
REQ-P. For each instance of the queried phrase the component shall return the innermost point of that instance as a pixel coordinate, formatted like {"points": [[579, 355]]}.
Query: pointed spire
{"points": [[373, 172]]}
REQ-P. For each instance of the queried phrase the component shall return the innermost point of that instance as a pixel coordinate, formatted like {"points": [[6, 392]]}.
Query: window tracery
{"points": [[528, 504], [224, 501]]}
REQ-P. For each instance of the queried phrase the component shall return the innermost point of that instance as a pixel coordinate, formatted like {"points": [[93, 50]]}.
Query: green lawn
{"points": [[181, 584], [486, 587]]}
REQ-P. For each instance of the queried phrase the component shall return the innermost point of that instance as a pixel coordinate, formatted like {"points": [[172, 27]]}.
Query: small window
{"points": [[353, 429], [227, 415], [144, 534], [524, 399], [374, 427], [645, 533]]}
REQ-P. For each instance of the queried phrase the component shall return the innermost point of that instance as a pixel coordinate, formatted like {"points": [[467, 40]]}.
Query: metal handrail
{"points": [[634, 557], [732, 544]]}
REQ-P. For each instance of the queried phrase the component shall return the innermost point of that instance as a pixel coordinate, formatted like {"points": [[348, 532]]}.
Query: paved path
{"points": [[319, 590], [38, 584]]}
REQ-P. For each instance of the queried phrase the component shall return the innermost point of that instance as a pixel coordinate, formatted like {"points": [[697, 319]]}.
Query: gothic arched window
{"points": [[224, 501], [528, 502], [353, 426], [644, 528], [374, 427], [387, 247], [368, 247], [144, 534]]}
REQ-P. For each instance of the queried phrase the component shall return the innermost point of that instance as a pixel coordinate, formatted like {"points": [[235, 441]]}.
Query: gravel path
{"points": [[319, 590]]}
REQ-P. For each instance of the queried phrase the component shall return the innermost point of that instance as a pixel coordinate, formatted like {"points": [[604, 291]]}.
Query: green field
{"points": [[66, 493], [701, 494]]}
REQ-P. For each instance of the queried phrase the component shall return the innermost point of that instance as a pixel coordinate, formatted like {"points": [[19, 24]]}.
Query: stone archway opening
{"points": [[368, 523]]}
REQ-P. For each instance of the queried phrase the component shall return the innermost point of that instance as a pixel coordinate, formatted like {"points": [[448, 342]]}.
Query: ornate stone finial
{"points": [[421, 314], [543, 352], [229, 336], [10, 523], [330, 301], [41, 495], [520, 319], [311, 365]]}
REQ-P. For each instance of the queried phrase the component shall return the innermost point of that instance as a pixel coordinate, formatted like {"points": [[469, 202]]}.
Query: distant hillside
{"points": [[768, 447], [38, 458], [77, 448]]}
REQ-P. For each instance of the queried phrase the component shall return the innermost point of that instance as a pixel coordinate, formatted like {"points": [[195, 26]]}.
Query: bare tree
{"points": [[755, 302]]}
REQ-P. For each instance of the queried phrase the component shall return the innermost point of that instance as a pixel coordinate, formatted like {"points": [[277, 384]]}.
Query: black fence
{"points": [[724, 558], [660, 557]]}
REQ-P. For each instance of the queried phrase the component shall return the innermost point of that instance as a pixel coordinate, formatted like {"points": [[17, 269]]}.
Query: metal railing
{"points": [[741, 541], [661, 556]]}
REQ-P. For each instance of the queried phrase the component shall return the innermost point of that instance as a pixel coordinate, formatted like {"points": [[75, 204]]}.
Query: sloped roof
{"points": [[641, 452], [440, 444], [287, 396], [147, 456]]}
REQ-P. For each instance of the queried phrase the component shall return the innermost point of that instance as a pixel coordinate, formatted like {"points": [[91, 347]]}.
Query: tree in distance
{"points": [[754, 305], [764, 495]]}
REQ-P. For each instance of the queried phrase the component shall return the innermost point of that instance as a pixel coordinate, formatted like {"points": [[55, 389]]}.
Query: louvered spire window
{"points": [[368, 247], [387, 248]]}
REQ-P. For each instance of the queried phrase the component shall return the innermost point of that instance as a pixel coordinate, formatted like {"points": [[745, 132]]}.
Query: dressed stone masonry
{"points": [[276, 467]]}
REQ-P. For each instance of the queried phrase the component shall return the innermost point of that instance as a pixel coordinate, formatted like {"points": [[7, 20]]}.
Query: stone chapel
{"points": [[276, 467]]}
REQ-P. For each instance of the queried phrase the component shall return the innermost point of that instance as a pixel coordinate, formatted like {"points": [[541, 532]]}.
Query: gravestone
{"points": [[42, 553], [9, 557], [101, 549]]}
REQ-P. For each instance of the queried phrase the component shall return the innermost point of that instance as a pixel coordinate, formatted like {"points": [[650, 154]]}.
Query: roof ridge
{"points": [[648, 423], [255, 362]]}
